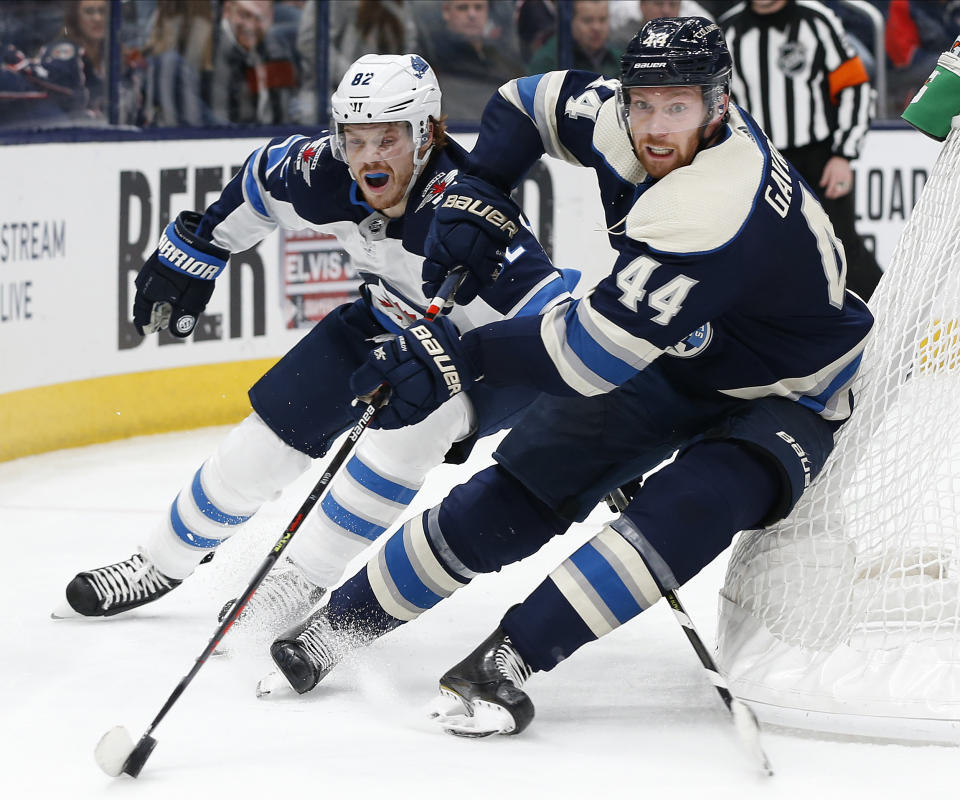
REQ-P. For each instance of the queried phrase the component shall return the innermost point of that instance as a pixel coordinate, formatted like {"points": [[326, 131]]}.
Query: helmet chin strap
{"points": [[418, 165]]}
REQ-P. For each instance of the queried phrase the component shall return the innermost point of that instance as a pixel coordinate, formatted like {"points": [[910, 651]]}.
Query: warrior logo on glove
{"points": [[472, 205], [443, 361]]}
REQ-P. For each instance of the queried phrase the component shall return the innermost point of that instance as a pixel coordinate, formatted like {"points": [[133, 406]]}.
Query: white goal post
{"points": [[845, 617]]}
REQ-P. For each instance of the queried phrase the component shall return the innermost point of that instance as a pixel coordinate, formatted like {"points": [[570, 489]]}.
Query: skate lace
{"points": [[284, 592], [511, 665], [319, 651], [128, 580]]}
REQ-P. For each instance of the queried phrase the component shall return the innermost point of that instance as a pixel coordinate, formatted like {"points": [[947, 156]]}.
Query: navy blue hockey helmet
{"points": [[678, 51]]}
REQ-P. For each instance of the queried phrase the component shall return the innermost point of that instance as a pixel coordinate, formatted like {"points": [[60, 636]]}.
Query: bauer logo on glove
{"points": [[423, 367], [471, 228], [498, 219], [444, 364]]}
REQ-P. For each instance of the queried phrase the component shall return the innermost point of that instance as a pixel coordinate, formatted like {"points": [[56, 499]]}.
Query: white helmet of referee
{"points": [[387, 88]]}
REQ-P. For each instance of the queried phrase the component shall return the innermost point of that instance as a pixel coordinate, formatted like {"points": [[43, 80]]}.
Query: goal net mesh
{"points": [[846, 615]]}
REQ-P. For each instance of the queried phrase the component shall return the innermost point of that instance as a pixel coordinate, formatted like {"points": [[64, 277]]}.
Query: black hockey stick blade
{"points": [[139, 756], [116, 754]]}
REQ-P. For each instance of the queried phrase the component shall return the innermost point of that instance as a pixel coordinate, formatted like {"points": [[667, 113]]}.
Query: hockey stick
{"points": [[744, 720], [115, 753]]}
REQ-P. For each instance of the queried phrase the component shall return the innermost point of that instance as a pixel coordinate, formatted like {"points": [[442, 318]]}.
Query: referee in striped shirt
{"points": [[797, 75]]}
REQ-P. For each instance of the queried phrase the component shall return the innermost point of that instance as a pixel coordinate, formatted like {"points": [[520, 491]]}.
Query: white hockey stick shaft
{"points": [[744, 720]]}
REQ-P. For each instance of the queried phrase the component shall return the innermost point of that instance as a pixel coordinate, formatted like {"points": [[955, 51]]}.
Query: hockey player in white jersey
{"points": [[723, 331], [374, 181]]}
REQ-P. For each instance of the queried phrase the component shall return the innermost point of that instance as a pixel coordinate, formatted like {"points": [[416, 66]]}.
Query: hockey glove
{"points": [[472, 226], [175, 284], [424, 367]]}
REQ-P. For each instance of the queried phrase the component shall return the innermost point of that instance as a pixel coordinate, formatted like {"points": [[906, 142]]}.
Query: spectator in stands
{"points": [[916, 34], [85, 34], [628, 16], [254, 73], [469, 65], [590, 28], [40, 93], [357, 27], [536, 22], [179, 63], [796, 73], [28, 25]]}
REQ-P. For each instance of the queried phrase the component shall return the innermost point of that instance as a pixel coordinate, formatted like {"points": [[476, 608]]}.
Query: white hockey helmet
{"points": [[387, 88]]}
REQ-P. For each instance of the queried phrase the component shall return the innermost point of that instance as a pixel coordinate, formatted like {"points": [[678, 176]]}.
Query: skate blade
{"points": [[65, 611], [113, 750], [274, 686], [470, 720]]}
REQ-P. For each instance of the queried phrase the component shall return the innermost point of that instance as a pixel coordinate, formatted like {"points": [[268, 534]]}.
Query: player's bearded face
{"points": [[380, 156], [665, 124]]}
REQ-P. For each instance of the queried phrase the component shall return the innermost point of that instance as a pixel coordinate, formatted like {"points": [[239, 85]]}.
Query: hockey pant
{"points": [[685, 515]]}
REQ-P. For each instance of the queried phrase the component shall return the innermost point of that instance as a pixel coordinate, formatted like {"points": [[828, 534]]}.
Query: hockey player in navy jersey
{"points": [[374, 181], [723, 332]]}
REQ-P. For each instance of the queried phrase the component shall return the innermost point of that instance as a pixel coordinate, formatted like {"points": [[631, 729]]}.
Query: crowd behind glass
{"points": [[240, 63]]}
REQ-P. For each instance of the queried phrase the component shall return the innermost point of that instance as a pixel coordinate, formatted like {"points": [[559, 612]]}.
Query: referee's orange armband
{"points": [[849, 73]]}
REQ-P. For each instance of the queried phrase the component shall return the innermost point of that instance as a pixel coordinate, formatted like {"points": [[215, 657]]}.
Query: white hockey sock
{"points": [[376, 485], [251, 466]]}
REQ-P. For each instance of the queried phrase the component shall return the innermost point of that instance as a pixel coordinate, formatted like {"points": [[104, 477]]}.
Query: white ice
{"points": [[632, 715]]}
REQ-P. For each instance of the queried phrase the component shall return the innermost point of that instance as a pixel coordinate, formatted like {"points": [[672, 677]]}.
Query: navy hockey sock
{"points": [[482, 525], [684, 516]]}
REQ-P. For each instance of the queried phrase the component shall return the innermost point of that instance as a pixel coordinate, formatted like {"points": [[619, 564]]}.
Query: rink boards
{"points": [[77, 221]]}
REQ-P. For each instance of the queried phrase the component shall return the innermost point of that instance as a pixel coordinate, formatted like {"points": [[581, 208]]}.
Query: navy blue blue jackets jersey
{"points": [[296, 183], [729, 271]]}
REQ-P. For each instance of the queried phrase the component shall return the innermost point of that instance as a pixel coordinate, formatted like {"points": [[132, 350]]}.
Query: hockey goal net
{"points": [[845, 617]]}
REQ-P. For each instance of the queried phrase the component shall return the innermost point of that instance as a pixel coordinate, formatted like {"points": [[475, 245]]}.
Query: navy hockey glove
{"points": [[472, 226], [175, 284], [424, 367]]}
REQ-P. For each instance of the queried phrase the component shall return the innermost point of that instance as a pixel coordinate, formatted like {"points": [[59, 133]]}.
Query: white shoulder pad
{"points": [[701, 207], [610, 139]]}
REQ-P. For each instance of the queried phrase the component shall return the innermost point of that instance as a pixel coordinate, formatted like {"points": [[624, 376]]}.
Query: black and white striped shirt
{"points": [[798, 76]]}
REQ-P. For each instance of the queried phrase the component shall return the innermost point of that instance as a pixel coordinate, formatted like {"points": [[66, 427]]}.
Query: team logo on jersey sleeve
{"points": [[309, 156], [436, 186], [692, 345]]}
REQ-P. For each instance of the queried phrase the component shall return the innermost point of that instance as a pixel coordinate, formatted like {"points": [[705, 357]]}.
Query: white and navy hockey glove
{"points": [[472, 227], [424, 367], [175, 284]]}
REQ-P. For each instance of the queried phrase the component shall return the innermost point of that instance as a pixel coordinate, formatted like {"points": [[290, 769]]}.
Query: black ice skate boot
{"points": [[485, 688], [118, 587], [306, 653]]}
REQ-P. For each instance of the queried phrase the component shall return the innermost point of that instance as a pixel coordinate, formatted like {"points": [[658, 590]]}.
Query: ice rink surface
{"points": [[631, 716]]}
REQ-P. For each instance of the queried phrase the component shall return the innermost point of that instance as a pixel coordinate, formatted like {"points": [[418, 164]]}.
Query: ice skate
{"points": [[481, 695], [116, 588], [306, 653], [285, 596]]}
